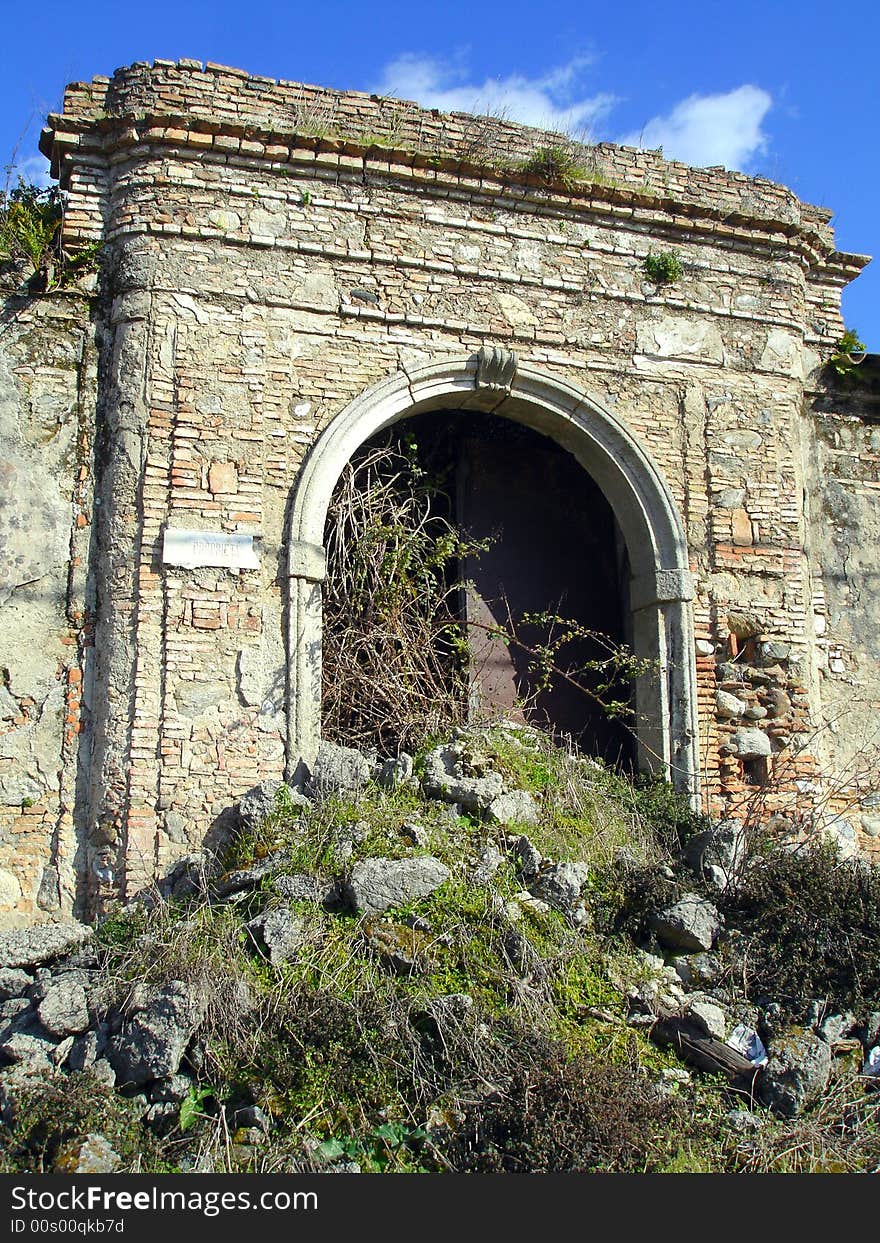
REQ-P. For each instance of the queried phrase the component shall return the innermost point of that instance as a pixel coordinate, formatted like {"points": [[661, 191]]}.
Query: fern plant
{"points": [[30, 218]]}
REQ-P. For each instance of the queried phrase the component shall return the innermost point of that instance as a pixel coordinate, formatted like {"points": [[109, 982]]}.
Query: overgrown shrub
{"points": [[664, 268], [400, 659], [394, 644], [47, 1113], [629, 896], [668, 810], [813, 927], [555, 165], [30, 233], [30, 218], [568, 1116]]}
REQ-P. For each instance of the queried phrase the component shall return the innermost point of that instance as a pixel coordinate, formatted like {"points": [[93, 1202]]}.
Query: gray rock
{"points": [[87, 1154], [528, 857], [796, 1073], [59, 1054], [770, 652], [13, 1011], [340, 770], [728, 706], [153, 1042], [28, 1051], [841, 834], [278, 934], [869, 1031], [444, 779], [301, 888], [64, 1010], [672, 1078], [490, 860], [175, 1089], [719, 852], [86, 1049], [13, 983], [835, 1027], [260, 802], [697, 970], [451, 1008], [248, 878], [9, 707], [815, 1009], [744, 625], [750, 744], [26, 947], [415, 833], [560, 885], [709, 1016], [187, 877], [378, 884], [7, 1101], [103, 1072], [41, 985], [761, 677], [515, 807], [399, 948], [744, 1121], [395, 772], [347, 836], [48, 896], [691, 924]]}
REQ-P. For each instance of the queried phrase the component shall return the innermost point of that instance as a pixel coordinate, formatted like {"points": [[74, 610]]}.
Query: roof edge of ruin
{"points": [[206, 92]]}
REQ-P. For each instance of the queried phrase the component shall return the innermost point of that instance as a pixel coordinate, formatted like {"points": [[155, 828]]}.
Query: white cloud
{"points": [[33, 169], [555, 100], [710, 129], [702, 129]]}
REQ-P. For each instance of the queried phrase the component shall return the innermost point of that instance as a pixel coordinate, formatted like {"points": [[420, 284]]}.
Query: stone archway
{"points": [[661, 587]]}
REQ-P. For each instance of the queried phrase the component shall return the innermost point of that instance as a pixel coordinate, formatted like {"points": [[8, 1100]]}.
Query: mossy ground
{"points": [[471, 1060]]}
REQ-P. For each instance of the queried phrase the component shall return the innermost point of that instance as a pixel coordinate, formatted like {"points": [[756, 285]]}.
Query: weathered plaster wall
{"points": [[843, 479], [258, 278], [47, 398]]}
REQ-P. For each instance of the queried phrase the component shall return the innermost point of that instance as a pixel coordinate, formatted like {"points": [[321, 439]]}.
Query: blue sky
{"points": [[786, 90]]}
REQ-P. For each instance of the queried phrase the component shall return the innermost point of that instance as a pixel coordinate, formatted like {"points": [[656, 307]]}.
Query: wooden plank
{"points": [[704, 1052]]}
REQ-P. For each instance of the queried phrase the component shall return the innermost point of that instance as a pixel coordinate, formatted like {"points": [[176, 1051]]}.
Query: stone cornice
{"points": [[107, 141], [259, 120]]}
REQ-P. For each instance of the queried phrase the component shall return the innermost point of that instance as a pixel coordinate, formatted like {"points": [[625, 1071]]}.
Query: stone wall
{"points": [[47, 403], [270, 252], [842, 451]]}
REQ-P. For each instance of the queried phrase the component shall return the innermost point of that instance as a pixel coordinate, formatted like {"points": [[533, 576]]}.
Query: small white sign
{"points": [[194, 548]]}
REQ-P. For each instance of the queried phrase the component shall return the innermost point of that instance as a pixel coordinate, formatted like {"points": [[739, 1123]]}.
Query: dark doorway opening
{"points": [[553, 547], [550, 546]]}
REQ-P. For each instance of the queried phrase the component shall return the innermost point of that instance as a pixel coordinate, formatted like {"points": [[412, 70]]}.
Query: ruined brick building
{"points": [[286, 270]]}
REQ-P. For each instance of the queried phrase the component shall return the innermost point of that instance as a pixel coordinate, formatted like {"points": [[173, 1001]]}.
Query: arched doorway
{"points": [[660, 586]]}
